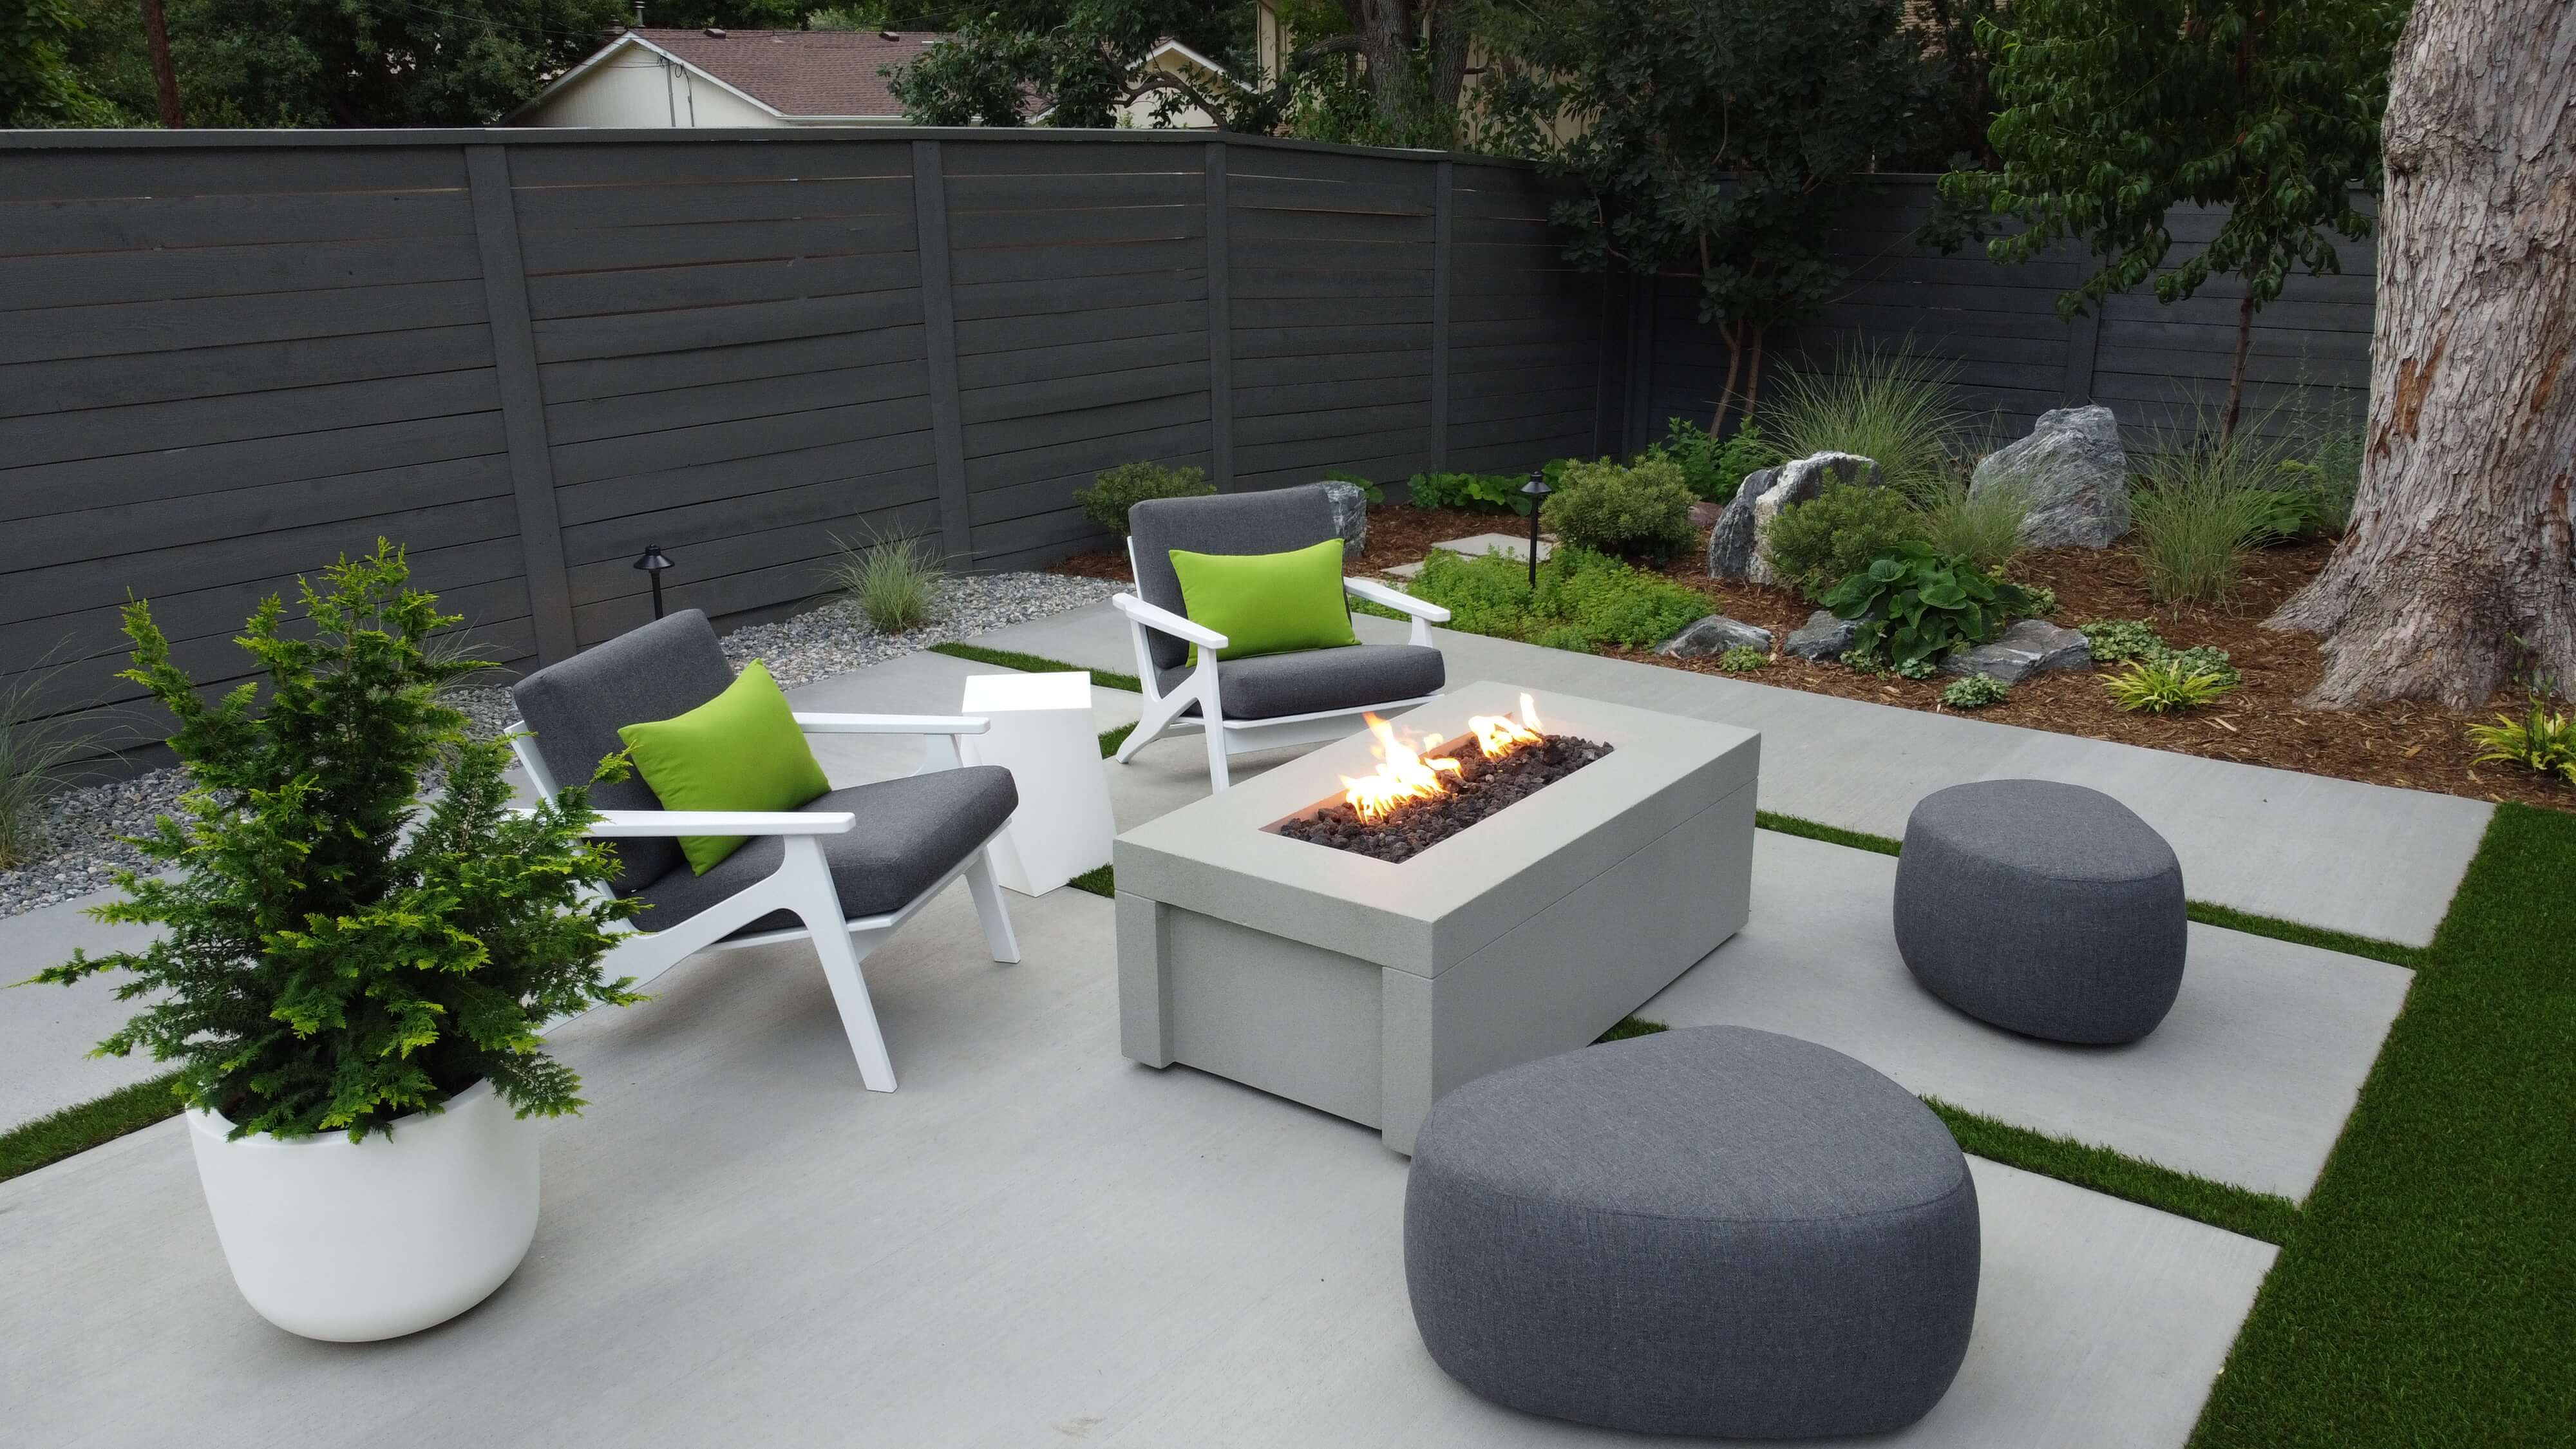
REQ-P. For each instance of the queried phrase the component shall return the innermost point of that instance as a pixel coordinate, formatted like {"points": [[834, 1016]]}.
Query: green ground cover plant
{"points": [[1477, 492], [1639, 510], [1976, 691], [1838, 533], [1743, 659], [1115, 490], [2543, 740], [1585, 600], [1033, 664]]}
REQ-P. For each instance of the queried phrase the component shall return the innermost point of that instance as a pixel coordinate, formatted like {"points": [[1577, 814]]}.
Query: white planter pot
{"points": [[353, 1241]]}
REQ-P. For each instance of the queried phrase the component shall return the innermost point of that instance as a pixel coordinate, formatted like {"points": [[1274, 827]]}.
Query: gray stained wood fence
{"points": [[229, 359]]}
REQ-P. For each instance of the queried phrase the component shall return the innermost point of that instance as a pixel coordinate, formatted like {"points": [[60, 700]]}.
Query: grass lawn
{"points": [[52, 1138]]}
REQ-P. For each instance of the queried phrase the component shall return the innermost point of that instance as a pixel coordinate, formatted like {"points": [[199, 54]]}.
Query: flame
{"points": [[1405, 774]]}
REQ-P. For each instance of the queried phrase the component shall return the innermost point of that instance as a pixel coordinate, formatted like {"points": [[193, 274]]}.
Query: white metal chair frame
{"points": [[801, 884], [1163, 712]]}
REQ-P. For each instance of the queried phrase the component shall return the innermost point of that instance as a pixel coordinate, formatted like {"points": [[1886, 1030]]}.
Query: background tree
{"points": [[1715, 135], [38, 86], [1074, 61], [2460, 543], [2117, 111]]}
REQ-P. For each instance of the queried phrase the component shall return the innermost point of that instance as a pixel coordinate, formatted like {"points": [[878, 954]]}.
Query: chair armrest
{"points": [[1165, 621], [648, 824], [893, 724], [1377, 593]]}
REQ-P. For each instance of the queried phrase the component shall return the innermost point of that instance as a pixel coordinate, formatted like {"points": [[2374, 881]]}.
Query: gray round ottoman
{"points": [[2047, 909], [1716, 1231]]}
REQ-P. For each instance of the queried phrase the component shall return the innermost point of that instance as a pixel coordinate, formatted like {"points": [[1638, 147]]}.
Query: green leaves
{"points": [[338, 954], [1917, 604]]}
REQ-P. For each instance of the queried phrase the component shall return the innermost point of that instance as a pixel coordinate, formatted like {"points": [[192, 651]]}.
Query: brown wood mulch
{"points": [[2412, 744]]}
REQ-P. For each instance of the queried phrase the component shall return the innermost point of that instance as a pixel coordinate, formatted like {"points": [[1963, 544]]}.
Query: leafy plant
{"points": [[1975, 691], [2198, 513], [1922, 668], [1917, 604], [1639, 510], [2543, 741], [337, 954], [2160, 686], [1887, 404], [1714, 468], [2026, 601], [1983, 528], [36, 752], [1585, 600], [1115, 490], [2117, 640], [1743, 659], [1368, 487], [893, 581], [1480, 492], [1819, 543]]}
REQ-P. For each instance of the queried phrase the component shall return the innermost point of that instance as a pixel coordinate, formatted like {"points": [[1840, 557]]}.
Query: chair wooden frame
{"points": [[1163, 713], [802, 883]]}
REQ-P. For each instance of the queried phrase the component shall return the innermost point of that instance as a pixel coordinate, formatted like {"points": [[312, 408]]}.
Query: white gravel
{"points": [[84, 824]]}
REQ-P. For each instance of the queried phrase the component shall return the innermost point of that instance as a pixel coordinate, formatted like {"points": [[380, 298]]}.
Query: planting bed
{"points": [[1480, 787]]}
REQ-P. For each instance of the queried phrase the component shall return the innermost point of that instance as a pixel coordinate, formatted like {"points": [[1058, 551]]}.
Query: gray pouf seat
{"points": [[1716, 1231], [2047, 909]]}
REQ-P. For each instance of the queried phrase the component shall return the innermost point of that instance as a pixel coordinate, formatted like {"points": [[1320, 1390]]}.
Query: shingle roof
{"points": [[801, 72]]}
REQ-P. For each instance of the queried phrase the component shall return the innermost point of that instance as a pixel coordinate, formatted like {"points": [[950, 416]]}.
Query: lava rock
{"points": [[1350, 515], [1823, 637], [1735, 547], [1479, 788], [2074, 474], [1715, 635], [2021, 651]]}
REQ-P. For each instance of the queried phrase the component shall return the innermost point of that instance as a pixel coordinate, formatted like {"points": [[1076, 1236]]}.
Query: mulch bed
{"points": [[2407, 743], [1481, 787]]}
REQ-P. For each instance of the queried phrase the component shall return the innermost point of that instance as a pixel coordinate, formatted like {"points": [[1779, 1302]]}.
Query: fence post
{"points": [[523, 401], [1444, 179], [939, 329], [2083, 346], [1642, 299], [1220, 324]]}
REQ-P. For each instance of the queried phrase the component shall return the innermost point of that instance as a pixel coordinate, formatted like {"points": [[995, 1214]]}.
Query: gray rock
{"points": [[1735, 547], [1350, 515], [1823, 637], [1715, 635], [2021, 651], [2074, 474]]}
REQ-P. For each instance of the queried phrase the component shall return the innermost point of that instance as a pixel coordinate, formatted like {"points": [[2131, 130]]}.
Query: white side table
{"points": [[1044, 735]]}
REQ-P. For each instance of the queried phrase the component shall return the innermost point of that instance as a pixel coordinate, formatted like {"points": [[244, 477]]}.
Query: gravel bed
{"points": [[84, 824]]}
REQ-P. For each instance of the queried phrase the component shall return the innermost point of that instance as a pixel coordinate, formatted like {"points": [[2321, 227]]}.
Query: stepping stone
{"points": [[1502, 543], [1404, 571]]}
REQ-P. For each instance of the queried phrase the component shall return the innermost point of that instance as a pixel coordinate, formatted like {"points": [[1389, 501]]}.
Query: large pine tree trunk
{"points": [[2463, 536]]}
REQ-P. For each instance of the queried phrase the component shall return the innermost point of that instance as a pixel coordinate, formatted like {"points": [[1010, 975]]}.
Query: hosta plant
{"points": [[337, 952], [2161, 686], [1916, 604], [2543, 740]]}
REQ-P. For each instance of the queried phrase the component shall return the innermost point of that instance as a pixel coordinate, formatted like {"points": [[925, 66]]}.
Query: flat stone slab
{"points": [[2249, 1080], [1032, 1242], [1510, 546]]}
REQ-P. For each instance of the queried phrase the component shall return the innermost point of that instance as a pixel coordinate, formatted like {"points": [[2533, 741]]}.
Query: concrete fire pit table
{"points": [[1368, 988]]}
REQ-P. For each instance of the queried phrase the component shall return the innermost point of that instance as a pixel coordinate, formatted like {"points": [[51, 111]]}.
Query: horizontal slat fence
{"points": [[229, 359]]}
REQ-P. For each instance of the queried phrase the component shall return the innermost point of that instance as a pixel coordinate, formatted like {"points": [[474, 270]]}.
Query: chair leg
{"points": [[1158, 713], [989, 909], [1218, 778], [818, 905]]}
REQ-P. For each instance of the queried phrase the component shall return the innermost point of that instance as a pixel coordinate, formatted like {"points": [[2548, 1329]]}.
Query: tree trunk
{"points": [[2462, 533], [1733, 336], [165, 77], [1448, 61], [2236, 369], [1386, 39]]}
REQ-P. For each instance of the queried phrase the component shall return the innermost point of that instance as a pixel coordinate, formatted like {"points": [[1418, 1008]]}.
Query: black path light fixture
{"points": [[1536, 490], [652, 563]]}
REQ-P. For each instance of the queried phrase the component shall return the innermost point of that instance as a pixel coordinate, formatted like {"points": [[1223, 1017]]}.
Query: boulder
{"points": [[1735, 547], [2074, 474], [1350, 515], [2021, 651], [1715, 635], [1705, 514], [1823, 637]]}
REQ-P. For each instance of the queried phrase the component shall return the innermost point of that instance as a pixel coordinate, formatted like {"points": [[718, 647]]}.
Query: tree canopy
{"points": [[2117, 111]]}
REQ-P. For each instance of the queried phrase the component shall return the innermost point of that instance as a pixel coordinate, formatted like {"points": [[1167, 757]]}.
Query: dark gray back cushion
{"points": [[1273, 521], [574, 709]]}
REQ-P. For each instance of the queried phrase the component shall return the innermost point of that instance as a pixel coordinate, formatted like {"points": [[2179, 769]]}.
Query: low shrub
{"points": [[2160, 686], [1743, 659], [1889, 405], [1917, 604], [1976, 691], [2543, 741], [1712, 467], [1479, 492], [1115, 490], [1641, 510], [1983, 528], [1585, 600], [894, 582], [1819, 543]]}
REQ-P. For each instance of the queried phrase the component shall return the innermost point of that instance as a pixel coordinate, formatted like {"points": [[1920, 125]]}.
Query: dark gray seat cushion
{"points": [[910, 833], [1271, 521], [574, 709], [1715, 1231], [1267, 686], [2047, 909]]}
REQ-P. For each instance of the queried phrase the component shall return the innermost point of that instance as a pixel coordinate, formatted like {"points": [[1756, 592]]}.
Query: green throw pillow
{"points": [[1267, 603], [738, 751]]}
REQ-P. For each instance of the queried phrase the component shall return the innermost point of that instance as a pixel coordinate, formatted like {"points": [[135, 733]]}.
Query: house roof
{"points": [[794, 73]]}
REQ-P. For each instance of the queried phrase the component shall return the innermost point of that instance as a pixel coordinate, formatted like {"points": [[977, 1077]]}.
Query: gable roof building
{"points": [[700, 78]]}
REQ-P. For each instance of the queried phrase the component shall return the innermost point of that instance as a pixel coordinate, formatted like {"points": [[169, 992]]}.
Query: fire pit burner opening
{"points": [[1418, 798]]}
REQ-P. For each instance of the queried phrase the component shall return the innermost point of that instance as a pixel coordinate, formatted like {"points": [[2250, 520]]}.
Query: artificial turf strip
{"points": [[75, 1130], [1829, 834], [1101, 881], [2427, 1298], [1110, 740], [1630, 1026], [2116, 1174], [1036, 664]]}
